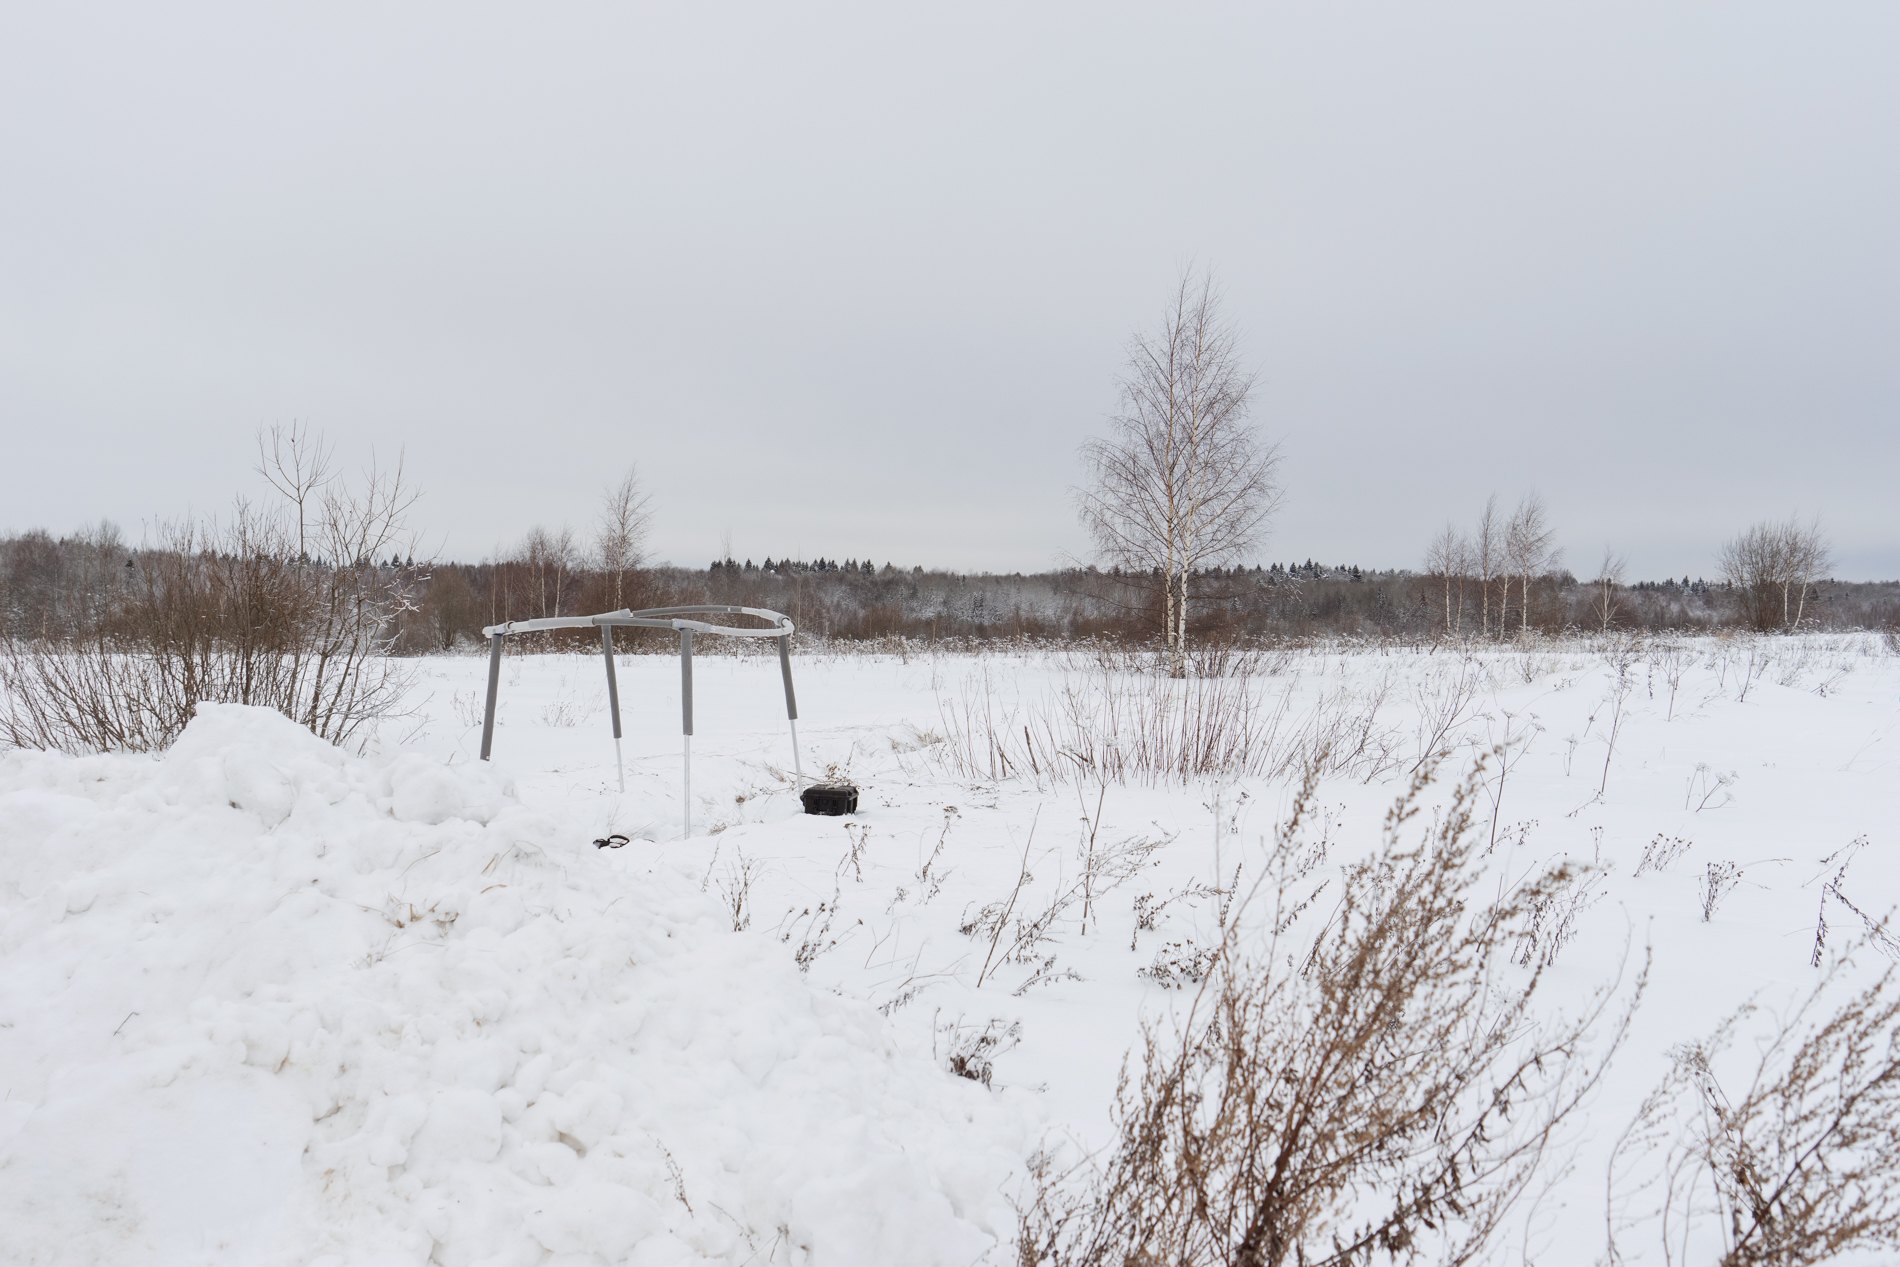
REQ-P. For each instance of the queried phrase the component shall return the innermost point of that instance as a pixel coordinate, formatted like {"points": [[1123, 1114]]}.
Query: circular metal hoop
{"points": [[658, 618]]}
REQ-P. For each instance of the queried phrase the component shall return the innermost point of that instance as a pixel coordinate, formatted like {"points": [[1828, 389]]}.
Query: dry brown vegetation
{"points": [[1360, 1081], [1799, 1165], [289, 606], [1110, 724]]}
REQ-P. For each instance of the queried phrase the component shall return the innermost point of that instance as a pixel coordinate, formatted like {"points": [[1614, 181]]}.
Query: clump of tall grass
{"points": [[1364, 1081], [1103, 725]]}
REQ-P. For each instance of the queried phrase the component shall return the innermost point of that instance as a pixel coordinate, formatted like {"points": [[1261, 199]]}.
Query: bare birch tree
{"points": [[625, 514], [1773, 568], [1449, 558], [1181, 483], [1606, 588], [549, 558], [1528, 551], [1487, 552]]}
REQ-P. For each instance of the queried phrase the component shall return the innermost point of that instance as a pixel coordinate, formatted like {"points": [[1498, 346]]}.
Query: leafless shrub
{"points": [[1229, 657], [735, 891], [1530, 664], [1107, 867], [293, 608], [1047, 972], [1751, 669], [1796, 661], [907, 994], [1148, 909], [1891, 640], [1660, 852], [1445, 702], [1710, 783], [1113, 728], [1825, 661], [1093, 824], [1718, 881], [811, 926], [1179, 964], [1507, 751], [674, 1173], [971, 1052], [1570, 750], [1188, 960], [1111, 866], [1621, 684], [1832, 679], [1875, 931], [1672, 660], [990, 921], [930, 874], [859, 835], [1551, 910], [467, 707], [1104, 727], [1622, 652], [1034, 926], [561, 714], [1342, 733], [1376, 1087], [1801, 1161], [1016, 929]]}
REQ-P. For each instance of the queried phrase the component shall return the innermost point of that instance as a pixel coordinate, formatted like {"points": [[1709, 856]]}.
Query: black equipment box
{"points": [[830, 798]]}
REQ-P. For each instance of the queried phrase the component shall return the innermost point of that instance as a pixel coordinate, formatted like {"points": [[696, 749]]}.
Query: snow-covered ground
{"points": [[262, 1001]]}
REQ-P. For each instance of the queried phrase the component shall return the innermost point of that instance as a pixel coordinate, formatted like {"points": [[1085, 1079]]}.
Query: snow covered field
{"points": [[263, 1001]]}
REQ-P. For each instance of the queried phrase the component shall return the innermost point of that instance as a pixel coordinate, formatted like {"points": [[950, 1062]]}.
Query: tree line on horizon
{"points": [[1178, 497], [57, 586]]}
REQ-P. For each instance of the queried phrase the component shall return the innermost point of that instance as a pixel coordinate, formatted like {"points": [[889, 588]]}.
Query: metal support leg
{"points": [[686, 723], [791, 704], [494, 687], [613, 700]]}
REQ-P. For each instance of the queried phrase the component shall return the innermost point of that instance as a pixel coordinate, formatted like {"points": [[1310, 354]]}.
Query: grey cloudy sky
{"points": [[857, 280]]}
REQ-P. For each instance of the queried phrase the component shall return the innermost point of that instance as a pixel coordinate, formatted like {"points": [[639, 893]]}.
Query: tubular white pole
{"points": [[791, 702], [613, 700], [494, 686], [686, 722]]}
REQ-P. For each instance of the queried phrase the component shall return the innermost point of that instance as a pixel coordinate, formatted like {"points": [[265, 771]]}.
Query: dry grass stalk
{"points": [[1114, 727], [1375, 1088], [1801, 1162]]}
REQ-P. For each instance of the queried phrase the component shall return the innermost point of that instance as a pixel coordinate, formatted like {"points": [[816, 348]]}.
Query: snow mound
{"points": [[267, 1002]]}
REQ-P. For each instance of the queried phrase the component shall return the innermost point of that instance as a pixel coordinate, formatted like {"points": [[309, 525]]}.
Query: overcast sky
{"points": [[858, 281]]}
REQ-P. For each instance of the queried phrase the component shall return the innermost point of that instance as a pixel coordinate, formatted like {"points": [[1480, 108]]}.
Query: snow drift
{"points": [[264, 1001]]}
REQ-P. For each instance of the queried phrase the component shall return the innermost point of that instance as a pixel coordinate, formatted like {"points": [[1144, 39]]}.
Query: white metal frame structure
{"points": [[675, 618]]}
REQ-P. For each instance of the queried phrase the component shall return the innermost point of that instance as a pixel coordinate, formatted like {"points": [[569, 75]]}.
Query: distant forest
{"points": [[60, 586]]}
